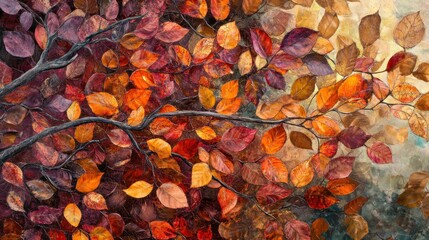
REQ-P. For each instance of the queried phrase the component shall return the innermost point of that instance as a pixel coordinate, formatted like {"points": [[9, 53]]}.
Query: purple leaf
{"points": [[353, 137], [26, 20], [286, 61], [237, 139], [68, 30], [45, 215], [10, 7], [317, 64], [299, 41], [14, 39], [379, 153], [261, 42], [340, 167], [275, 79]]}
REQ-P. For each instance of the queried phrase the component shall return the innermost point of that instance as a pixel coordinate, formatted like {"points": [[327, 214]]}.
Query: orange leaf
{"points": [[228, 35], [228, 106], [160, 147], [318, 227], [274, 139], [274, 169], [142, 79], [110, 59], [102, 104], [227, 200], [136, 98], [207, 97], [203, 48], [143, 58], [162, 230], [130, 41], [405, 92], [220, 162], [79, 235], [219, 9], [229, 89], [136, 117], [302, 174], [84, 133], [342, 186], [172, 196], [139, 189], [303, 87], [353, 87], [182, 55], [88, 182], [251, 6], [325, 126], [327, 97], [194, 8]]}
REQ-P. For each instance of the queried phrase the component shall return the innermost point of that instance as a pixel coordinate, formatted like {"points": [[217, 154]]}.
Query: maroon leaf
{"points": [[317, 64], [275, 79], [45, 215], [297, 230], [299, 41], [261, 42], [340, 167], [24, 41], [379, 153], [147, 27], [237, 139], [272, 193], [353, 137], [10, 7], [319, 197], [286, 61]]}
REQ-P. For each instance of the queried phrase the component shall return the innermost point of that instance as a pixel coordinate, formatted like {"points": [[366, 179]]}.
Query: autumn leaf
{"points": [[100, 233], [273, 139], [72, 214], [171, 196], [346, 59], [201, 175], [299, 41], [300, 140], [220, 9], [303, 87], [206, 133], [95, 201], [227, 200], [251, 6], [342, 186], [354, 206], [170, 32], [340, 167], [328, 25], [271, 193], [369, 29], [194, 8], [238, 138], [228, 35], [136, 116], [207, 97], [84, 133], [139, 189], [302, 174], [325, 126], [160, 147], [318, 197], [422, 72], [379, 153], [15, 201], [261, 42], [102, 104], [74, 111], [327, 97], [88, 182], [245, 63], [110, 59], [295, 229], [274, 169], [162, 230], [357, 227], [229, 90], [12, 174], [410, 31]]}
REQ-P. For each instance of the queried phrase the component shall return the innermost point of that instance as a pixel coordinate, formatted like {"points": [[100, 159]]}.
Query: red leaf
{"points": [[170, 32], [272, 193], [275, 79], [220, 162], [340, 167], [261, 42], [318, 197], [162, 230], [379, 153], [117, 224], [297, 230], [237, 139], [205, 233], [329, 148], [299, 41], [353, 137], [12, 174], [25, 42], [187, 148], [119, 138]]}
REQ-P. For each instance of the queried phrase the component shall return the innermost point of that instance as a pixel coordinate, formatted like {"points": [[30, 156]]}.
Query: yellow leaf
{"points": [[207, 97], [88, 182], [228, 35], [206, 133], [79, 235], [73, 112], [302, 174], [100, 233], [72, 214], [245, 63], [102, 104], [201, 175], [229, 89], [160, 147], [139, 189], [136, 117]]}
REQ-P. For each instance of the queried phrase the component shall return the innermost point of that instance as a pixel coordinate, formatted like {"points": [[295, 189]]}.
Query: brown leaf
{"points": [[40, 189], [303, 87], [422, 72], [357, 227], [369, 29], [411, 198], [15, 201], [300, 140], [346, 59], [328, 25], [423, 102], [319, 227], [418, 125], [410, 31], [355, 205]]}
